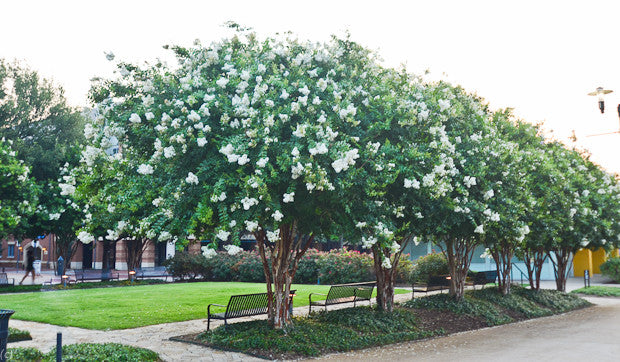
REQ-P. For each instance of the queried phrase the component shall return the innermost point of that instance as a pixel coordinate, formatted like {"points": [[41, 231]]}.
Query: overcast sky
{"points": [[539, 57]]}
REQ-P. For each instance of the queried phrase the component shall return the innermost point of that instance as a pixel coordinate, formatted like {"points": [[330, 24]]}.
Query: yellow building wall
{"points": [[582, 261], [598, 257]]}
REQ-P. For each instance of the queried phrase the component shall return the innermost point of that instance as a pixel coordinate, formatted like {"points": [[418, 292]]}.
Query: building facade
{"points": [[97, 255]]}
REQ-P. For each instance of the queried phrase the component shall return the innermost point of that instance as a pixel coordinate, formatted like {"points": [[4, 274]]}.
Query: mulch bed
{"points": [[449, 321], [429, 320]]}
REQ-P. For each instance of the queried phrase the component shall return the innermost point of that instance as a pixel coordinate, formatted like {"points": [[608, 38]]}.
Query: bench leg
{"points": [[209, 323]]}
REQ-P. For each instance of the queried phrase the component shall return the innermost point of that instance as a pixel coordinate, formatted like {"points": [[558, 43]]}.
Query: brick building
{"points": [[99, 255]]}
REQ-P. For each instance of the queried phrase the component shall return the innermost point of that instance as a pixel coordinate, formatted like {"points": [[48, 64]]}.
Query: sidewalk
{"points": [[156, 337]]}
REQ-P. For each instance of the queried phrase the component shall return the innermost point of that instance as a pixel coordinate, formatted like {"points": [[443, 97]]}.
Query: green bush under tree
{"points": [[611, 269], [85, 352], [425, 266]]}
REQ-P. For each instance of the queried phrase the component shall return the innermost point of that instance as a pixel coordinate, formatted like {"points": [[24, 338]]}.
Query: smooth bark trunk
{"points": [[502, 254], [534, 261], [134, 249], [385, 277], [458, 252], [561, 267], [280, 261]]}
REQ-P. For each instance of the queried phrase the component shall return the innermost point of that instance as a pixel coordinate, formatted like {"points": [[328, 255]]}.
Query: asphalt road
{"points": [[591, 334]]}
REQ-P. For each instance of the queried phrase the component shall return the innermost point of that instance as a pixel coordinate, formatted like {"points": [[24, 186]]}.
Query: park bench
{"points": [[4, 280], [245, 305], [344, 293], [483, 278], [147, 273], [434, 283], [48, 284], [82, 275]]}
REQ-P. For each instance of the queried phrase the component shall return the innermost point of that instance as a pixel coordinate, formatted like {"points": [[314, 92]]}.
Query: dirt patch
{"points": [[450, 322]]}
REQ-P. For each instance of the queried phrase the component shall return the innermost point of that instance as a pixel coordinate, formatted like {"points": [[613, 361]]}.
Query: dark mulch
{"points": [[428, 319], [450, 322]]}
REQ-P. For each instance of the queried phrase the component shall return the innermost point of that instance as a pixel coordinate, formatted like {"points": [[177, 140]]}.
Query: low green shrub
{"points": [[324, 332], [404, 269], [189, 266], [109, 283], [468, 306], [222, 264], [611, 269], [20, 288], [87, 352], [515, 301], [345, 266], [16, 335], [425, 266], [23, 354], [249, 268], [308, 268], [559, 302]]}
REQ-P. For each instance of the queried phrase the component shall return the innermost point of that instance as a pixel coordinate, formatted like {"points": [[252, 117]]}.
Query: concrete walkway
{"points": [[157, 337], [590, 334]]}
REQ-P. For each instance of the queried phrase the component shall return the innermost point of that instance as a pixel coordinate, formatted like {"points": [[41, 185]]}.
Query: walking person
{"points": [[29, 266]]}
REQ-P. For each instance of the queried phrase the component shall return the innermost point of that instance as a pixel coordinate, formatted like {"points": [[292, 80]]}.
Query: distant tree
{"points": [[46, 133], [18, 193]]}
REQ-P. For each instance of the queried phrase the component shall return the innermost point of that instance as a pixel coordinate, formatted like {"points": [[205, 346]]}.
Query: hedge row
{"points": [[334, 267]]}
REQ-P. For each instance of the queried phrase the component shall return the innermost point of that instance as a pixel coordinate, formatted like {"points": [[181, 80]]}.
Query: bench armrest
{"points": [[311, 294], [209, 307]]}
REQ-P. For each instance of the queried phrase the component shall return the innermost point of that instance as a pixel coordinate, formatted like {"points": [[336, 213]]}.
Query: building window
{"points": [[11, 251]]}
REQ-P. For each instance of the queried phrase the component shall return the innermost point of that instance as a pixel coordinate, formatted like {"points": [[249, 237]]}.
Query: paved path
{"points": [[155, 337], [595, 329], [591, 334]]}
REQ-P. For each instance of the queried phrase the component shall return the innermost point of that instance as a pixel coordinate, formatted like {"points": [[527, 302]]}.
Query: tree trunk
{"points": [[502, 254], [66, 246], [385, 278], [459, 253], [133, 252], [561, 267], [284, 255], [534, 260]]}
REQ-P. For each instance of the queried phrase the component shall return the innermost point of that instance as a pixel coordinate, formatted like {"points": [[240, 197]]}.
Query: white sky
{"points": [[539, 57]]}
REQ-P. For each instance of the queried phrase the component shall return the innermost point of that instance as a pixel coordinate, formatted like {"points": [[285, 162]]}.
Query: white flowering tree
{"points": [[584, 208], [511, 165], [121, 198], [18, 193], [457, 221], [411, 167], [245, 135], [46, 134]]}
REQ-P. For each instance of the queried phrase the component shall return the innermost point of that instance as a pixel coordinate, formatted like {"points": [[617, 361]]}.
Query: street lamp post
{"points": [[600, 93]]}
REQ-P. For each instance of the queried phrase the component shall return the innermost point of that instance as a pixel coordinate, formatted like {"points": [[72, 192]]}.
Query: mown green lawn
{"points": [[135, 306], [601, 291]]}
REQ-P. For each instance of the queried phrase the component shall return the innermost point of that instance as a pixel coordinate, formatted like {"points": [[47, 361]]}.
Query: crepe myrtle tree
{"points": [[120, 199], [511, 160], [584, 196], [247, 135], [411, 166], [18, 192], [569, 208], [542, 219], [458, 217]]}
